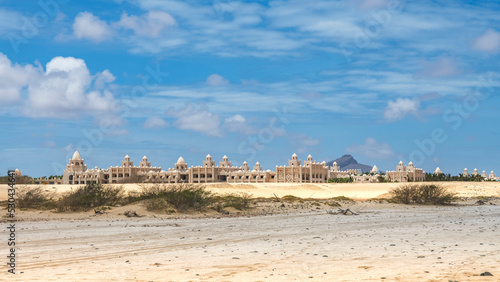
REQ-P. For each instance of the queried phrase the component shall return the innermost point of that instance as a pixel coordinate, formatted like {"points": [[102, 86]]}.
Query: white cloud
{"points": [[216, 80], [198, 120], [88, 26], [103, 78], [400, 108], [488, 42], [64, 90], [238, 123], [372, 149], [152, 24], [13, 78], [155, 122]]}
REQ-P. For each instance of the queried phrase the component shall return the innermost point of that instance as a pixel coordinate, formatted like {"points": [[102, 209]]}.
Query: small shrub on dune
{"points": [[291, 198], [90, 196], [182, 197], [34, 197], [422, 194]]}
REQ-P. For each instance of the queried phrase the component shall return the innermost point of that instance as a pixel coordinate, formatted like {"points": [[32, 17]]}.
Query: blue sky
{"points": [[256, 80]]}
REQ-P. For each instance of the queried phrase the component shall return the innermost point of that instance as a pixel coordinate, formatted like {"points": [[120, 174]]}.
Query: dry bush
{"points": [[34, 197], [90, 196], [422, 194], [291, 198]]}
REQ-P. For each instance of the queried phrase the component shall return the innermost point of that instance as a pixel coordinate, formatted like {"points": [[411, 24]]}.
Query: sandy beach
{"points": [[275, 242]]}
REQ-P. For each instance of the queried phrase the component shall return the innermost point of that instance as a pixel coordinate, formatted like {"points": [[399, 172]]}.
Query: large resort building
{"points": [[309, 171]]}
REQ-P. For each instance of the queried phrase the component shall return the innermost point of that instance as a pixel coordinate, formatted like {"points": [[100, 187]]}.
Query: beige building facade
{"points": [[309, 171]]}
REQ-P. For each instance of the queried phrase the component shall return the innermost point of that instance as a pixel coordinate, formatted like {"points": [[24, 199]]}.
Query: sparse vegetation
{"points": [[34, 197], [342, 199], [422, 194], [291, 198], [90, 196], [341, 180], [182, 197]]}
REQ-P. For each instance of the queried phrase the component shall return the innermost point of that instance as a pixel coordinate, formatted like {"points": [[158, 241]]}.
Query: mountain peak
{"points": [[348, 162]]}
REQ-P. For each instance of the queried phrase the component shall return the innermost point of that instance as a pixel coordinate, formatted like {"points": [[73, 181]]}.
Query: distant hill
{"points": [[348, 162]]}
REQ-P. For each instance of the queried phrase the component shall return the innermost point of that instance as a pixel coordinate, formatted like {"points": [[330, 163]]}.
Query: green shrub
{"points": [[156, 204], [182, 197], [90, 196], [342, 199], [422, 194], [290, 198], [34, 197]]}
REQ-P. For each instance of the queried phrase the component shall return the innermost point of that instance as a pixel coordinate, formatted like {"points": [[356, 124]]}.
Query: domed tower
{"points": [[374, 169], [144, 162], [245, 166], [438, 171], [401, 167], [257, 167], [208, 162], [181, 164], [126, 162], [335, 167], [466, 173], [76, 163], [225, 162], [294, 161]]}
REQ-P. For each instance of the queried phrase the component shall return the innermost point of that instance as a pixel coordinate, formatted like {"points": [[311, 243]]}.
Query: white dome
{"points": [[438, 171], [144, 158], [17, 170], [180, 161], [76, 156], [334, 163], [257, 163], [208, 156], [294, 155], [127, 157], [400, 162], [410, 163], [225, 157], [245, 162]]}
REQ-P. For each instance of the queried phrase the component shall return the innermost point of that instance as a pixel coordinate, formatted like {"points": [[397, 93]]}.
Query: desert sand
{"points": [[385, 242]]}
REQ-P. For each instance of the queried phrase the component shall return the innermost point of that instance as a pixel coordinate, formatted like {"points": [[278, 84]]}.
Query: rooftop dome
{"points": [[76, 156], [127, 157], [400, 162], [375, 168], [180, 161], [294, 155], [334, 163], [208, 156], [410, 163], [438, 171], [144, 158], [225, 157], [257, 163]]}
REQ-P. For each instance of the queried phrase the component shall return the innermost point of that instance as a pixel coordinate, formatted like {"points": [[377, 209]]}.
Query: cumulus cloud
{"points": [[400, 108], [63, 90], [103, 78], [88, 26], [198, 120], [155, 123], [217, 80], [371, 149], [13, 78], [488, 42], [238, 123], [152, 24]]}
